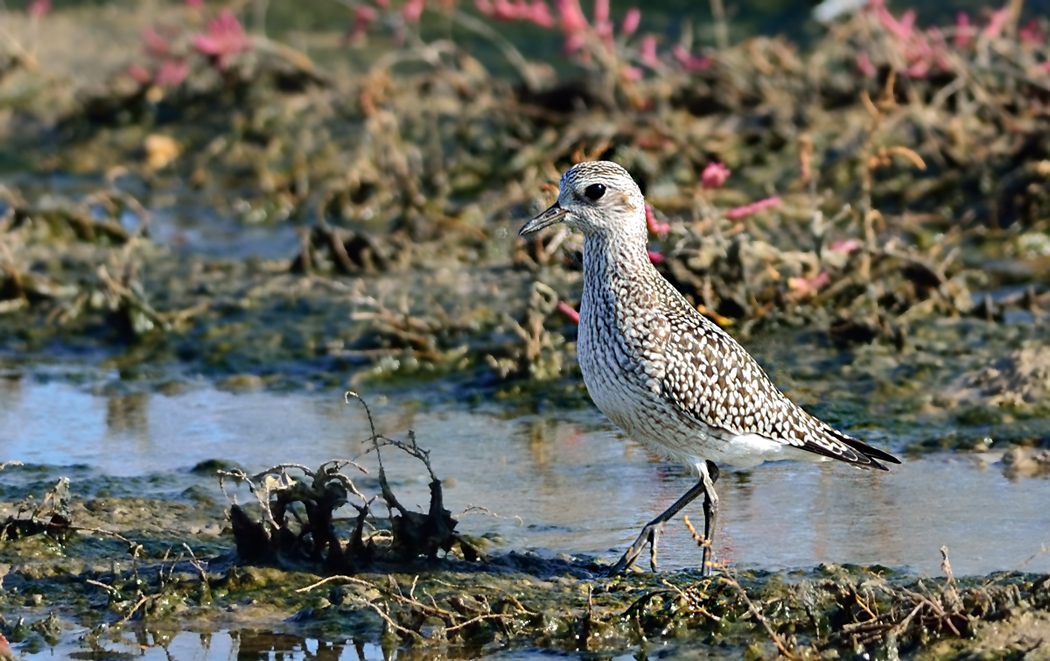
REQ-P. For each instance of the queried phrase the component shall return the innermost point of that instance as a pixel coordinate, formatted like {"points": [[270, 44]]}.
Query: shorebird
{"points": [[665, 374]]}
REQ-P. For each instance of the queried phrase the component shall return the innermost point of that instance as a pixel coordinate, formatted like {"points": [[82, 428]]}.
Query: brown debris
{"points": [[283, 536]]}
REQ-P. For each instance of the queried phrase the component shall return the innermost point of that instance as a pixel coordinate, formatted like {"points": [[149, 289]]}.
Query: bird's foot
{"points": [[650, 535]]}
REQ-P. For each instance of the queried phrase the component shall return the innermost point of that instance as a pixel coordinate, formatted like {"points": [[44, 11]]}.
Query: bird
{"points": [[665, 374]]}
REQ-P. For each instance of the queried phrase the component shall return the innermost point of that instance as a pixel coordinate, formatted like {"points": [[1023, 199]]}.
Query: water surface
{"points": [[557, 482]]}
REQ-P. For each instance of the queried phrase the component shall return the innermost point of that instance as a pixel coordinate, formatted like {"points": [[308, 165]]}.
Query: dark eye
{"points": [[594, 191]]}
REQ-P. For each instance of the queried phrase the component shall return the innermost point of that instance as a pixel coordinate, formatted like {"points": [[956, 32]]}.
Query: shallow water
{"points": [[556, 482], [266, 644]]}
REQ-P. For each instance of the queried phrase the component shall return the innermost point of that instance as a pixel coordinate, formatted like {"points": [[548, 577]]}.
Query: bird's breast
{"points": [[611, 367]]}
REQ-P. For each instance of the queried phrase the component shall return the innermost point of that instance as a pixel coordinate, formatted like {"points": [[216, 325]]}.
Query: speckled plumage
{"points": [[661, 371]]}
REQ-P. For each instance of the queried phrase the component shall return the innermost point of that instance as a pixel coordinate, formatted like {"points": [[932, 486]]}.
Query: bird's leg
{"points": [[708, 478], [651, 532]]}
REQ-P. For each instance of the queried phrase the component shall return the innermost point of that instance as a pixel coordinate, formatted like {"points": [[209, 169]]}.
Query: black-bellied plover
{"points": [[661, 371]]}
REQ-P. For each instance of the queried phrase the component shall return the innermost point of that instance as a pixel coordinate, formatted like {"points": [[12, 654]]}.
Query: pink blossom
{"points": [[140, 74], [938, 43], [223, 38], [749, 209], [918, 69], [902, 29], [412, 10], [504, 10], [37, 8], [648, 49], [568, 311], [845, 245], [714, 175], [364, 16], [154, 43], [631, 20], [655, 256], [806, 286], [601, 11], [575, 42], [632, 73], [570, 16], [655, 226], [688, 60], [195, 4], [1031, 33], [865, 65], [171, 73], [963, 32], [540, 14], [602, 25], [996, 23]]}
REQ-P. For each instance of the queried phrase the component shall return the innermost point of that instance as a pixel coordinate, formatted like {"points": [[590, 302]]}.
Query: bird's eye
{"points": [[594, 191]]}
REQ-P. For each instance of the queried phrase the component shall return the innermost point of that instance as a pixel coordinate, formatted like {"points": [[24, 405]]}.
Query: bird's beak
{"points": [[553, 214]]}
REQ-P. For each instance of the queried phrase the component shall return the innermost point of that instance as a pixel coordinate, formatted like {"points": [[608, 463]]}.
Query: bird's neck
{"points": [[610, 262]]}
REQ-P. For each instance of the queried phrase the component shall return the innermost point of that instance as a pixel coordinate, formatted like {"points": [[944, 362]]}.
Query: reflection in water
{"points": [[147, 643], [126, 415], [558, 485]]}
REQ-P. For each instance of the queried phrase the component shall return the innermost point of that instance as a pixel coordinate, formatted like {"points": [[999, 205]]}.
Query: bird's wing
{"points": [[704, 371]]}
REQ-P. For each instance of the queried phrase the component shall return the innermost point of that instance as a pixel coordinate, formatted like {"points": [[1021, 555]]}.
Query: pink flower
{"points": [[540, 14], [963, 31], [902, 29], [714, 175], [865, 66], [171, 73], [655, 226], [568, 311], [154, 43], [140, 74], [504, 10], [195, 4], [364, 16], [601, 11], [749, 209], [689, 61], [655, 256], [574, 42], [632, 73], [808, 286], [570, 16], [602, 25], [412, 10], [648, 49], [845, 245], [631, 20], [223, 38], [1031, 33], [918, 69], [996, 23], [37, 8]]}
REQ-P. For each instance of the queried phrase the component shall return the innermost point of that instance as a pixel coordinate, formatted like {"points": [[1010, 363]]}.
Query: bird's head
{"points": [[598, 198]]}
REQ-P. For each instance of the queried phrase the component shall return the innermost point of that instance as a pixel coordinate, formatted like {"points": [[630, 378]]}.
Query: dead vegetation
{"points": [[298, 506], [882, 177]]}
